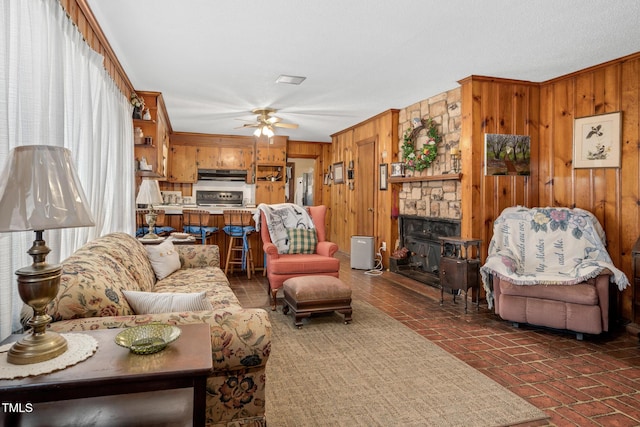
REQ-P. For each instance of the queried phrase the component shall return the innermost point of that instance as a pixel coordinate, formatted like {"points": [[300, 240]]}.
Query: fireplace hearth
{"points": [[420, 235]]}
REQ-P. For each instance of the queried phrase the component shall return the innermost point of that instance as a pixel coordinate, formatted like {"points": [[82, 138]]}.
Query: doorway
{"points": [[300, 184]]}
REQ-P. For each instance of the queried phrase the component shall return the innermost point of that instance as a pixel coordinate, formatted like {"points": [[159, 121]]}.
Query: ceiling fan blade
{"points": [[286, 125], [248, 125]]}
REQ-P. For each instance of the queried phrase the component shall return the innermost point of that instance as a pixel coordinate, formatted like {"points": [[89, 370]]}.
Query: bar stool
{"points": [[196, 223], [237, 225]]}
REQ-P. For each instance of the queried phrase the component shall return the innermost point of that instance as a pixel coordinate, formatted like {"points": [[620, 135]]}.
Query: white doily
{"points": [[79, 348]]}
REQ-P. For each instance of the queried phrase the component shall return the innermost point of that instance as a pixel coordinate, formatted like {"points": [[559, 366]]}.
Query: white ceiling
{"points": [[216, 60]]}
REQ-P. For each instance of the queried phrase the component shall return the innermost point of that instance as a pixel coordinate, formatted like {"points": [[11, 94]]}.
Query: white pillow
{"points": [[164, 259], [166, 302]]}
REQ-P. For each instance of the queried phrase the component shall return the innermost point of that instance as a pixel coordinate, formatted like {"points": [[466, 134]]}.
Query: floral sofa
{"points": [[91, 296], [549, 267]]}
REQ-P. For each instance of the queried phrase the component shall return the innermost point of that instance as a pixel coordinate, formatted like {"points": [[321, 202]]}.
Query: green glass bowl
{"points": [[148, 339]]}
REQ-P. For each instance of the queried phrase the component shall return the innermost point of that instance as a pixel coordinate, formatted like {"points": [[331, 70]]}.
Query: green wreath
{"points": [[420, 159]]}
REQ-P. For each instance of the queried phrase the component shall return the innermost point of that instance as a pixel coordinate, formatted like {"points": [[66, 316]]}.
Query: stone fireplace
{"points": [[420, 235], [429, 201]]}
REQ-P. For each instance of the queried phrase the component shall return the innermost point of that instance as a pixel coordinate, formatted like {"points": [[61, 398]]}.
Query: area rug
{"points": [[377, 372]]}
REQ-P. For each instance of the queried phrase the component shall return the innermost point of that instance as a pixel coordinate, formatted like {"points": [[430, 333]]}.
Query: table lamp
{"points": [[40, 190], [148, 194]]}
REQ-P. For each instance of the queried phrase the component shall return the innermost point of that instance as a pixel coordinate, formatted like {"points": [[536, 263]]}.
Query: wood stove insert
{"points": [[421, 236]]}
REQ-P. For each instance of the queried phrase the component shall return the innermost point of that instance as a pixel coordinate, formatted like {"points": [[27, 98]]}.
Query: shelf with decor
{"points": [[151, 136], [445, 177]]}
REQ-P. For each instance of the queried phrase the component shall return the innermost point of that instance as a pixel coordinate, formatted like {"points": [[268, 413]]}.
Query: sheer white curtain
{"points": [[54, 90]]}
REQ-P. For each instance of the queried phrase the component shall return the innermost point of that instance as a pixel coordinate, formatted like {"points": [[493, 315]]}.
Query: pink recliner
{"points": [[550, 267], [281, 267]]}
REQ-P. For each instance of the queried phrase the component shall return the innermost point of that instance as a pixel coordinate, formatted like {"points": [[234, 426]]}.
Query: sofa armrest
{"points": [[198, 256], [270, 249], [602, 289], [240, 337], [326, 248]]}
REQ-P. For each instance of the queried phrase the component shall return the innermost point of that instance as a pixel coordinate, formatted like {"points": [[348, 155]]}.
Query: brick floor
{"points": [[593, 382]]}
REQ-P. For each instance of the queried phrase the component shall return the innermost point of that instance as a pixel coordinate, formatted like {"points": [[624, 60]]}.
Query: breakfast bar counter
{"points": [[173, 218], [215, 210]]}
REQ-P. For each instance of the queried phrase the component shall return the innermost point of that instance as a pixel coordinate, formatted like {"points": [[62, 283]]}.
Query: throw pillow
{"points": [[166, 302], [302, 240], [164, 259]]}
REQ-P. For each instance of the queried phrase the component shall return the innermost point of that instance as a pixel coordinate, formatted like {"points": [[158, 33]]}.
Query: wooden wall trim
{"points": [[207, 139], [623, 59], [369, 120], [81, 15], [480, 78]]}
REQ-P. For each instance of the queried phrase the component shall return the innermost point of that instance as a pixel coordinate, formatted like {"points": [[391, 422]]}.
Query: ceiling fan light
{"points": [[257, 132], [267, 131]]}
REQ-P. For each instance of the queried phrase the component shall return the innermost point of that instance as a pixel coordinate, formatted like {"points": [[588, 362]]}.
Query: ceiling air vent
{"points": [[290, 80]]}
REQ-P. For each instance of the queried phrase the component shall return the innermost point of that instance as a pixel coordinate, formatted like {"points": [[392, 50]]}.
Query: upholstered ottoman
{"points": [[305, 295]]}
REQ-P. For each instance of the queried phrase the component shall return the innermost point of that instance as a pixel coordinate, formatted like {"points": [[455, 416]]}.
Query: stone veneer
{"points": [[439, 198]]}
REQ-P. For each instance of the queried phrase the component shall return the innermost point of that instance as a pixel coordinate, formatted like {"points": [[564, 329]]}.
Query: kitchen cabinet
{"points": [[269, 192], [271, 162], [271, 151], [195, 151], [222, 157], [182, 164], [155, 142]]}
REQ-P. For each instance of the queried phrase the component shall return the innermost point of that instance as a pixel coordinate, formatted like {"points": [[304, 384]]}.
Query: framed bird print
{"points": [[596, 141]]}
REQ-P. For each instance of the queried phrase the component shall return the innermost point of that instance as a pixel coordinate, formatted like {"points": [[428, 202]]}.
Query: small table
{"points": [[460, 267], [125, 379]]}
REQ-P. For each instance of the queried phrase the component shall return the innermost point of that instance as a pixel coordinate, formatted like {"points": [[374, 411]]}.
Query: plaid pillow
{"points": [[302, 241]]}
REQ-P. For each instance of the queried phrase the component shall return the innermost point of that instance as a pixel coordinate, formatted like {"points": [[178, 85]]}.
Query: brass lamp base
{"points": [[37, 348], [37, 285], [151, 218]]}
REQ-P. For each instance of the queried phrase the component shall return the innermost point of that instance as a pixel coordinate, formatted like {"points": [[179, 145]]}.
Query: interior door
{"points": [[365, 187]]}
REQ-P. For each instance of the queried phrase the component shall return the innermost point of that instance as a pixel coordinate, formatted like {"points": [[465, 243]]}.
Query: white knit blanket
{"points": [[553, 246], [279, 217]]}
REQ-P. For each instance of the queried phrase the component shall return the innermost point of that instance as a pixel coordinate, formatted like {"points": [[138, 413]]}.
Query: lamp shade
{"points": [[40, 190], [149, 193]]}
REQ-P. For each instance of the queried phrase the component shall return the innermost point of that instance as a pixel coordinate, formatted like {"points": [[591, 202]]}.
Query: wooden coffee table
{"points": [[115, 385]]}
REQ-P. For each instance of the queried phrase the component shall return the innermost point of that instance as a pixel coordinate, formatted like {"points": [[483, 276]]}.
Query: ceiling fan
{"points": [[265, 122]]}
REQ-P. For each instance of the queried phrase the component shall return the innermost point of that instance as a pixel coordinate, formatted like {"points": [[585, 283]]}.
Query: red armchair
{"points": [[281, 267]]}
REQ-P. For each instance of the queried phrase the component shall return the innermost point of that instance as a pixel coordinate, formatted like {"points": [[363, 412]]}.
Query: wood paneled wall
{"points": [[383, 128], [494, 106], [546, 112], [612, 194], [80, 13]]}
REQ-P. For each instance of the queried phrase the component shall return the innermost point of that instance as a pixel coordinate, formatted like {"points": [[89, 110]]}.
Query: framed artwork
{"points": [[596, 141], [507, 154], [397, 169], [384, 183], [338, 173]]}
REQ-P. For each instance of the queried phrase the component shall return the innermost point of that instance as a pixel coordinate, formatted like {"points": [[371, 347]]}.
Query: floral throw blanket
{"points": [[553, 246], [280, 217]]}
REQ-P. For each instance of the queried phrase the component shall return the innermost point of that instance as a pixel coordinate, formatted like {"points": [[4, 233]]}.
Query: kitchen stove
{"points": [[219, 199]]}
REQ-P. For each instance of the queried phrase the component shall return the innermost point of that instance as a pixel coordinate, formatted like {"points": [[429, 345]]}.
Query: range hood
{"points": [[222, 175]]}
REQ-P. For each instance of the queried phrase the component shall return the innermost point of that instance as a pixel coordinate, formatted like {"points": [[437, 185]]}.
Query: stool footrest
{"points": [[307, 295]]}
